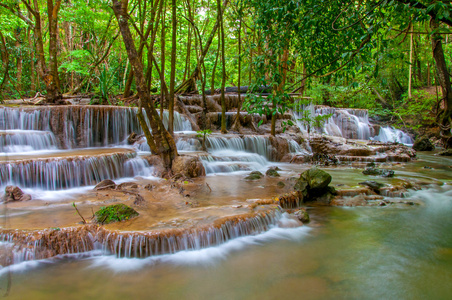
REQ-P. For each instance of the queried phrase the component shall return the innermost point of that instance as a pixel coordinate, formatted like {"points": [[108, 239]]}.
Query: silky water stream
{"points": [[391, 252]]}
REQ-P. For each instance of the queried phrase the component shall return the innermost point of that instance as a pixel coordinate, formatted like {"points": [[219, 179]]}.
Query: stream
{"points": [[391, 252]]}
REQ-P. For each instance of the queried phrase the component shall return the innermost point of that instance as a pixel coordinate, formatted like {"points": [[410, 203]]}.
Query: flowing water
{"points": [[391, 252]]}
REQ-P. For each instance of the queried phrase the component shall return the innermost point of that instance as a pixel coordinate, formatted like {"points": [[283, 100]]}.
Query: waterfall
{"points": [[348, 123], [82, 126], [68, 172], [51, 242], [14, 141], [391, 134]]}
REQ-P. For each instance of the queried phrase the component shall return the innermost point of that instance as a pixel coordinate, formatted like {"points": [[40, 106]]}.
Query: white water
{"points": [[391, 135], [348, 123]]}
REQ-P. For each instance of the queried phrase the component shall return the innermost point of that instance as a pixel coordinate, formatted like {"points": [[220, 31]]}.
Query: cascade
{"points": [[51, 242], [82, 126], [56, 173], [348, 123], [391, 134], [14, 141]]}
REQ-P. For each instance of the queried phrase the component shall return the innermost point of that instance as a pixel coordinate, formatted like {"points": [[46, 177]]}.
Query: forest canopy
{"points": [[391, 57]]}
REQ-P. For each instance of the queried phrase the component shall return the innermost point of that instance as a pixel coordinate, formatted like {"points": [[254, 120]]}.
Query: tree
{"points": [[159, 141]]}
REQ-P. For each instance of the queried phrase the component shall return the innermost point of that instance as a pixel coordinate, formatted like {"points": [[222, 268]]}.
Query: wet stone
{"points": [[272, 173], [106, 184], [254, 175], [378, 172]]}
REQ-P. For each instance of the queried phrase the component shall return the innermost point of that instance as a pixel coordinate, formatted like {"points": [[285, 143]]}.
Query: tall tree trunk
{"points": [[445, 118], [173, 69], [212, 79], [5, 61], [410, 69], [31, 53], [128, 85], [162, 62], [52, 11], [160, 141], [19, 65], [223, 69], [237, 126]]}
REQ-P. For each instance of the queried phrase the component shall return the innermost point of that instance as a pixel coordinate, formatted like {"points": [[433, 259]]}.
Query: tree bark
{"points": [[173, 69], [445, 117], [237, 125], [160, 141], [223, 69]]}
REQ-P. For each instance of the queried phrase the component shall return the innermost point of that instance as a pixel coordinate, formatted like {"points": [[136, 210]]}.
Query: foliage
{"points": [[115, 213], [203, 134]]}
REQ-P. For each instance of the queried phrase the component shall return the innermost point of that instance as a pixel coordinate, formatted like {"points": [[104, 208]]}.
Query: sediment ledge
{"points": [[41, 244]]}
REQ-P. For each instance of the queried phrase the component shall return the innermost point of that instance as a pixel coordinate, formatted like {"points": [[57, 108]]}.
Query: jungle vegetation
{"points": [[392, 57]]}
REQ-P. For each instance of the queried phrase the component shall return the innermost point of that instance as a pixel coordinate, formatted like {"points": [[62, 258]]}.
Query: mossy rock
{"points": [[272, 173], [317, 179], [447, 152], [115, 213], [254, 175]]}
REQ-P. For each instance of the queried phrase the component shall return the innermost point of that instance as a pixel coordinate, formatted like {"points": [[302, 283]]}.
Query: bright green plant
{"points": [[203, 134]]}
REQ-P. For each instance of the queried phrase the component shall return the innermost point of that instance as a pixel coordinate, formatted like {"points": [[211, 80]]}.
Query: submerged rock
{"points": [[302, 215], [127, 185], [447, 152], [375, 186], [378, 172], [14, 193], [272, 173], [423, 144], [106, 184], [254, 175], [115, 213]]}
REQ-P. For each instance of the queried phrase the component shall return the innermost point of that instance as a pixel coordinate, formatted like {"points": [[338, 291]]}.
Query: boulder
{"points": [[378, 172], [188, 166], [423, 144], [317, 179], [14, 193], [302, 215], [106, 184], [127, 185], [375, 186], [132, 138], [447, 152], [115, 213], [313, 186], [272, 173], [254, 175]]}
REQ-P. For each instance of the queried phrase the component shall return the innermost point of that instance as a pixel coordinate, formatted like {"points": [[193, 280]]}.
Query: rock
{"points": [[317, 179], [254, 175], [133, 138], [423, 144], [302, 215], [378, 172], [447, 152], [281, 184], [127, 185], [375, 186], [115, 213], [272, 173], [188, 166], [106, 184], [14, 193]]}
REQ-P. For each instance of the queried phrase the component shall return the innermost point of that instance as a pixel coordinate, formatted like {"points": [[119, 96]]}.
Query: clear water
{"points": [[393, 252]]}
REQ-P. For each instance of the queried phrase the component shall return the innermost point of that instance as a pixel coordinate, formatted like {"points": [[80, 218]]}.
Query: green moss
{"points": [[115, 213]]}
